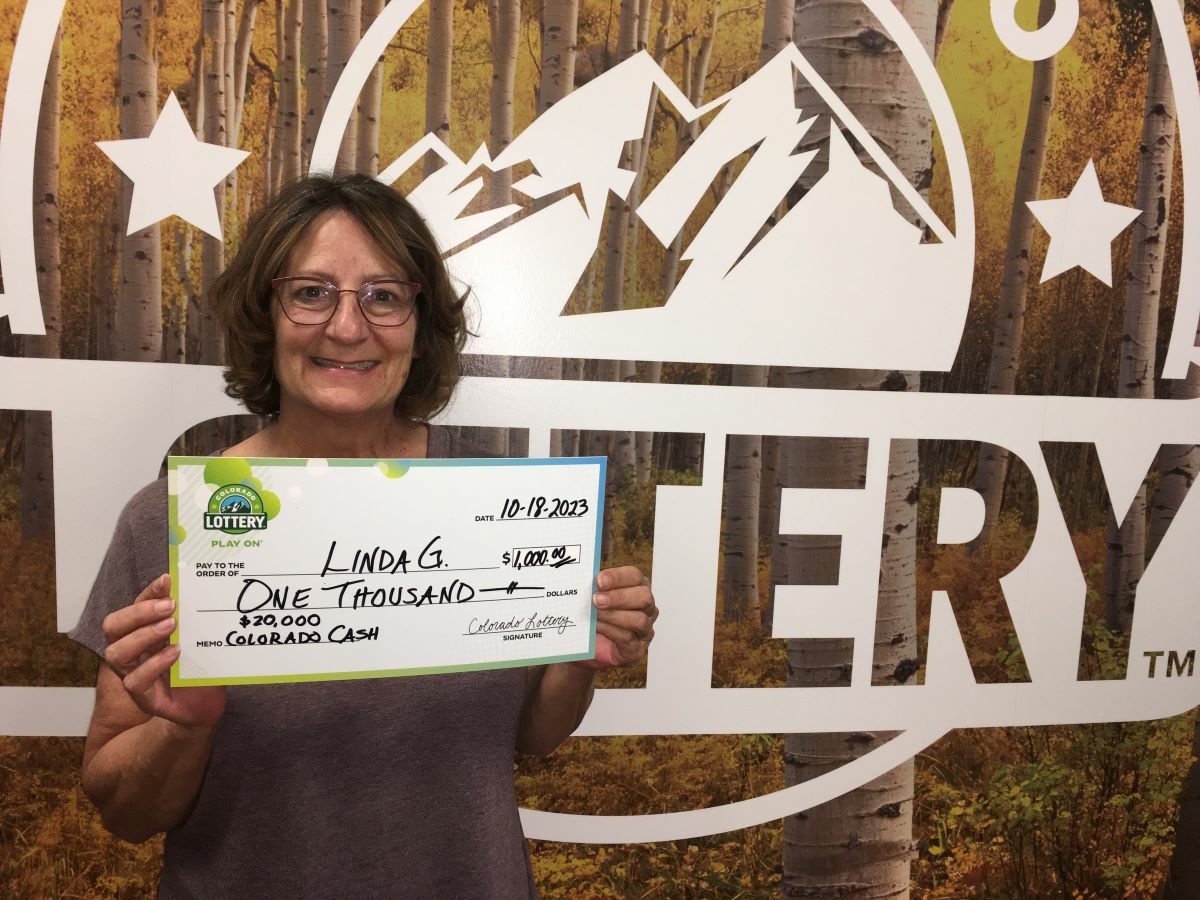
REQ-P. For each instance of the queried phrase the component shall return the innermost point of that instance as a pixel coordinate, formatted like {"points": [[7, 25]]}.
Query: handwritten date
{"points": [[543, 507]]}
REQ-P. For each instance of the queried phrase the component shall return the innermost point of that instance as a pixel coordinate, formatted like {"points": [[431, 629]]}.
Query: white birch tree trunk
{"points": [[241, 54], [641, 149], [617, 225], [212, 252], [504, 20], [1143, 286], [743, 481], [229, 72], [1177, 466], [859, 844], [290, 118], [184, 346], [560, 26], [945, 7], [777, 34], [37, 477], [103, 326], [196, 88], [992, 470], [777, 29], [437, 85], [275, 137], [139, 296], [695, 77], [370, 102], [345, 26], [175, 348], [619, 445], [774, 468], [231, 29], [316, 62], [643, 441], [744, 470], [504, 24]]}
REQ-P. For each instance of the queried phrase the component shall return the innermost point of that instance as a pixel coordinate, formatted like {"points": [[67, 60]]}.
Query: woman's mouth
{"points": [[339, 365]]}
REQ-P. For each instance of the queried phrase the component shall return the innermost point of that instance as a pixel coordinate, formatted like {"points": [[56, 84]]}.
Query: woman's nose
{"points": [[348, 323]]}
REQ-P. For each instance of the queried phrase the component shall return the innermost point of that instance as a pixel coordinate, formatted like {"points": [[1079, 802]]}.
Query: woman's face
{"points": [[346, 367]]}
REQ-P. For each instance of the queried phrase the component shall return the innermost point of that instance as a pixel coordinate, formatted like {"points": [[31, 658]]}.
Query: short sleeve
{"points": [[137, 554], [438, 445]]}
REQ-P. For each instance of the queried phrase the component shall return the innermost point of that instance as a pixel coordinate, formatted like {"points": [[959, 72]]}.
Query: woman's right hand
{"points": [[139, 655]]}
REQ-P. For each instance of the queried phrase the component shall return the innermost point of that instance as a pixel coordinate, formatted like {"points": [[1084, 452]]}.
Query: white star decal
{"points": [[1082, 227], [173, 173]]}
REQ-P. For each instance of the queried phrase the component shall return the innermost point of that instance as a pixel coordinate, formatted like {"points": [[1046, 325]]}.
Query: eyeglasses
{"points": [[388, 302]]}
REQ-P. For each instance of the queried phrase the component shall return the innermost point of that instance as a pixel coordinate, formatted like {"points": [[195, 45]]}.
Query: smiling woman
{"points": [[342, 327], [343, 370], [327, 363]]}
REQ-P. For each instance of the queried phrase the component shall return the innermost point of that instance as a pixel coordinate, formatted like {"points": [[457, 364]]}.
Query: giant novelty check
{"points": [[316, 569]]}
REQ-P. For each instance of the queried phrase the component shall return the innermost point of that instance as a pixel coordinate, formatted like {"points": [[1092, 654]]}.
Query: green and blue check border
{"points": [[174, 463]]}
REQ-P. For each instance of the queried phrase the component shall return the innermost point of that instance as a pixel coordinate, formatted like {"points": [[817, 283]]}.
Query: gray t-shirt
{"points": [[387, 787]]}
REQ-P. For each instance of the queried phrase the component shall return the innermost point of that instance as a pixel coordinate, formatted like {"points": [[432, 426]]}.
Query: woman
{"points": [[340, 319]]}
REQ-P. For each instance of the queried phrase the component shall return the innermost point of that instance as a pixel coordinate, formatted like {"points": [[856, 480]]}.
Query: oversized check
{"points": [[316, 569]]}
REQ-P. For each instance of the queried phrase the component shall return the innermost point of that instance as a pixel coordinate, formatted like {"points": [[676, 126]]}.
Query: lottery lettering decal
{"points": [[862, 270]]}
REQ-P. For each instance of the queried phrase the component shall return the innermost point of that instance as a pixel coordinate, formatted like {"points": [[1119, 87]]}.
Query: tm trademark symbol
{"points": [[1179, 664]]}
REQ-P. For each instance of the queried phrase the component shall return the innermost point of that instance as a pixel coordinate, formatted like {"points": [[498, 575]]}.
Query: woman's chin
{"points": [[345, 407]]}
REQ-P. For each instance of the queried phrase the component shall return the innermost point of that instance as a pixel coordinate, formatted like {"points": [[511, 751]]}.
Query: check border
{"points": [[174, 462]]}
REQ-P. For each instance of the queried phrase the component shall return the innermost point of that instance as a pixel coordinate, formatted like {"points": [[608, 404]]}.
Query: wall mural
{"points": [[884, 313]]}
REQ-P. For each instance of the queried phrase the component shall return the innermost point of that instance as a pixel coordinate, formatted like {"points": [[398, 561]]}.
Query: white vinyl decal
{"points": [[905, 310]]}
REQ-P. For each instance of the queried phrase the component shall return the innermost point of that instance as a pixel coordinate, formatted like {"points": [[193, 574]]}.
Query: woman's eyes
{"points": [[316, 293], [382, 296], [311, 292]]}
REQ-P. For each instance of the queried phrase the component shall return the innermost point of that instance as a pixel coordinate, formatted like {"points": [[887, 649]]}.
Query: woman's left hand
{"points": [[625, 618], [559, 694]]}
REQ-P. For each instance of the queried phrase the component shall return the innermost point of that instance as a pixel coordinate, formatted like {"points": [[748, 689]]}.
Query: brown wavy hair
{"points": [[242, 294]]}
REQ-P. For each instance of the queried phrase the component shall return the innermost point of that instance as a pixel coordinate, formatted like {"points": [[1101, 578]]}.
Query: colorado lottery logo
{"points": [[235, 509]]}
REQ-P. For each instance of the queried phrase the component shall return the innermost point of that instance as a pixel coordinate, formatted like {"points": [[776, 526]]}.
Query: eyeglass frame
{"points": [[357, 292]]}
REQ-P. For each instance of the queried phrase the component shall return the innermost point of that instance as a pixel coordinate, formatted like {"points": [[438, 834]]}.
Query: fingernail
{"points": [[601, 600], [603, 580], [164, 606], [166, 626]]}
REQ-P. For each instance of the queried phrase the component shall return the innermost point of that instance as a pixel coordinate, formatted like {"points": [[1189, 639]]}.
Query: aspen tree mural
{"points": [[863, 838], [711, 194], [558, 31], [139, 300], [504, 21], [37, 478], [216, 101], [345, 28], [290, 92], [1127, 540], [1010, 307], [439, 52], [315, 16], [368, 108], [652, 371], [744, 469]]}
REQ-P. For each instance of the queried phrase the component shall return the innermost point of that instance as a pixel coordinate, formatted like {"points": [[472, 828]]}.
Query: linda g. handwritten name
{"points": [[380, 560], [535, 622]]}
